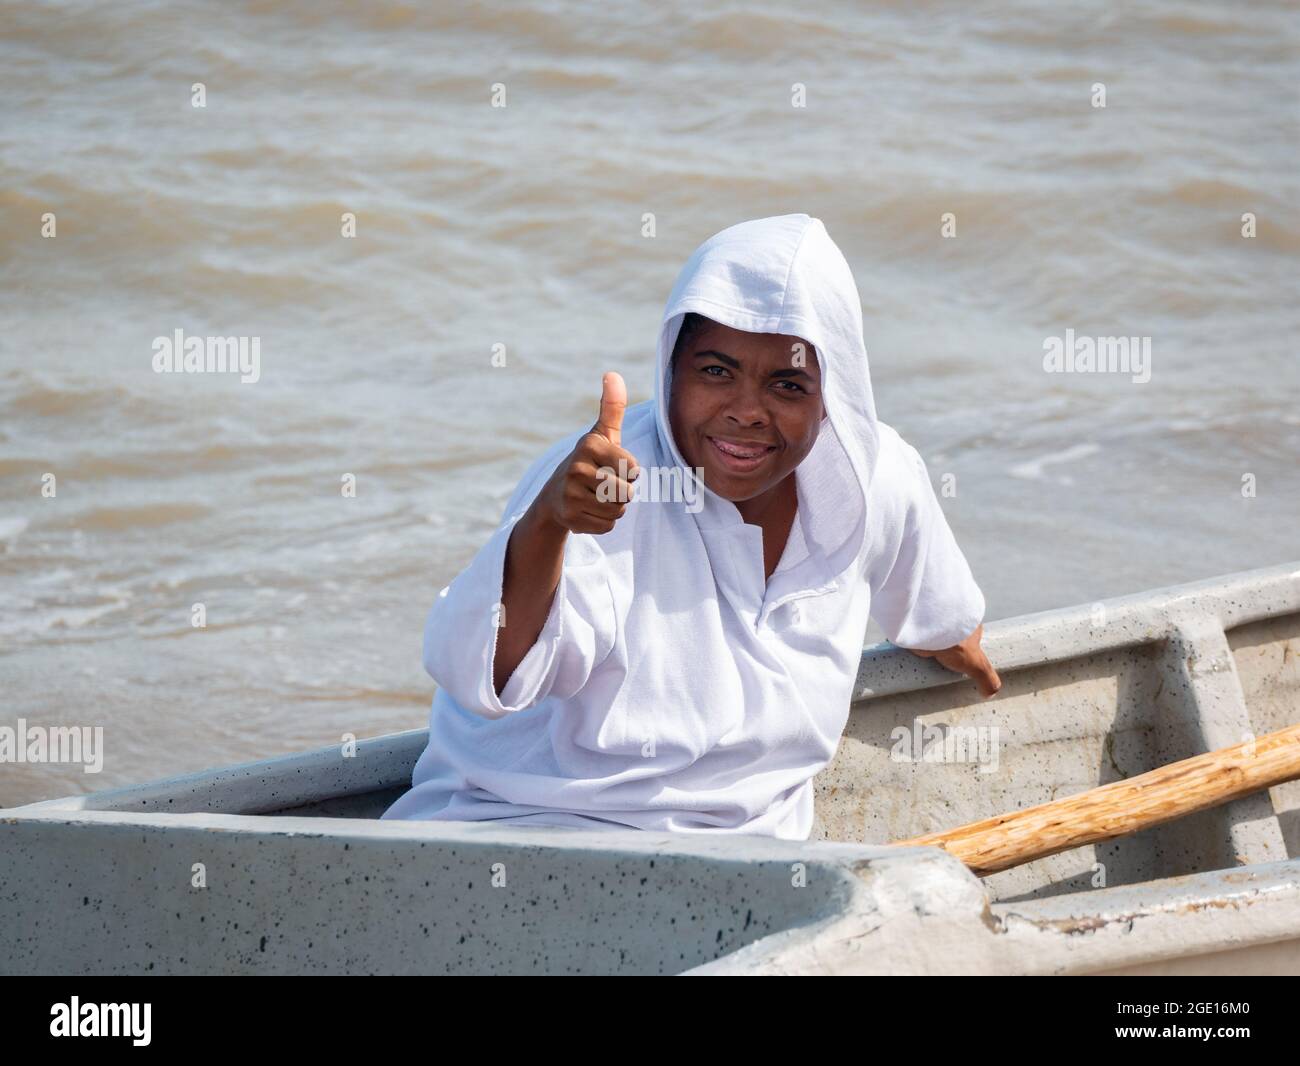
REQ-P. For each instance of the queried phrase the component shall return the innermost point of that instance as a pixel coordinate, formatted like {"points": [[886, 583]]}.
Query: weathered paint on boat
{"points": [[301, 878]]}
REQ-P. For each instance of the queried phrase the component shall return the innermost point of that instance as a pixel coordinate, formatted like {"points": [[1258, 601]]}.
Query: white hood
{"points": [[785, 275]]}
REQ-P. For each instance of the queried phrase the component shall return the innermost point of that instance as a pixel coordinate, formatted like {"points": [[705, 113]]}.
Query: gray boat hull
{"points": [[282, 866]]}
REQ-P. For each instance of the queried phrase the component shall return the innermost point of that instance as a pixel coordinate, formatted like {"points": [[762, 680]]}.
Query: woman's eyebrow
{"points": [[710, 353], [791, 372]]}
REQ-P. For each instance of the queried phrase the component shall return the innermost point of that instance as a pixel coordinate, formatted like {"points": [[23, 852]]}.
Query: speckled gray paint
{"points": [[303, 878], [107, 892], [920, 916]]}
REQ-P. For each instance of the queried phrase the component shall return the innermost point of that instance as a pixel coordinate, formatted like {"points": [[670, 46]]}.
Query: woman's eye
{"points": [[794, 385], [720, 369]]}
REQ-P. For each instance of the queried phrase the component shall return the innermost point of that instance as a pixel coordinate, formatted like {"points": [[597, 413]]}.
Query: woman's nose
{"points": [[747, 408]]}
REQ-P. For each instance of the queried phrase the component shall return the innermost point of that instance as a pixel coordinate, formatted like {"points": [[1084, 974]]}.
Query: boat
{"points": [[282, 866]]}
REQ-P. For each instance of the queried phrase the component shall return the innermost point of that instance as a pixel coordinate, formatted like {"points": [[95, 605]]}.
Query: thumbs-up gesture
{"points": [[589, 491]]}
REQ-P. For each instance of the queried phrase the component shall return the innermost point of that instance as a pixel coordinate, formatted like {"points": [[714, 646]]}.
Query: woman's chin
{"points": [[735, 487]]}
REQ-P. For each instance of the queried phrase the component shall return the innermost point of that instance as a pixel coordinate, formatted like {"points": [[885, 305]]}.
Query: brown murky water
{"points": [[522, 226]]}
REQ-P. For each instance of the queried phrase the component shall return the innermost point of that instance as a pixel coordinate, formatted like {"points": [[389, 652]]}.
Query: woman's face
{"points": [[745, 407]]}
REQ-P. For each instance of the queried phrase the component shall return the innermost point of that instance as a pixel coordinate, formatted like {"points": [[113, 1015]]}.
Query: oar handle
{"points": [[1124, 807]]}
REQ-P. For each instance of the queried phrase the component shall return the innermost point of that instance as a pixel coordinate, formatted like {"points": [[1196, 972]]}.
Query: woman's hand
{"points": [[588, 492], [968, 658]]}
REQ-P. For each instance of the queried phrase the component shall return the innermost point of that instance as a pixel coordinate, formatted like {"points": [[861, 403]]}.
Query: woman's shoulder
{"points": [[899, 470]]}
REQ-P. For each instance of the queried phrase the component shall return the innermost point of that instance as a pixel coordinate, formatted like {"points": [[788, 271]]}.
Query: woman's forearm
{"points": [[534, 562]]}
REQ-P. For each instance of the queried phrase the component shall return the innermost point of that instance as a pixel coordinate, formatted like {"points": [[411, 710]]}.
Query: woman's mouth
{"points": [[741, 456]]}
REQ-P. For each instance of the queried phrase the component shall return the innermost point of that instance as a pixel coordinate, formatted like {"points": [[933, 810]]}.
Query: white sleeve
{"points": [[460, 633], [927, 598]]}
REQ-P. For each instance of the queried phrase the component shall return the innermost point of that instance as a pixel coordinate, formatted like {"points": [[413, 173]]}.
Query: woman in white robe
{"points": [[692, 667]]}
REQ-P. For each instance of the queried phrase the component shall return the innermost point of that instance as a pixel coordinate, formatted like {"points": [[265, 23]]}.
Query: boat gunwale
{"points": [[1133, 620]]}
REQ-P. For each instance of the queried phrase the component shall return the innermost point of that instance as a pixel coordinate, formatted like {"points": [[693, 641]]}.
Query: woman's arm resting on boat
{"points": [[967, 658], [577, 498], [927, 600]]}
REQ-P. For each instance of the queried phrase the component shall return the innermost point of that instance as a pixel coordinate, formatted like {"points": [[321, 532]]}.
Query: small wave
{"points": [[1197, 25], [1033, 469], [583, 81], [757, 33], [1211, 193], [12, 528], [144, 516], [37, 619], [50, 400]]}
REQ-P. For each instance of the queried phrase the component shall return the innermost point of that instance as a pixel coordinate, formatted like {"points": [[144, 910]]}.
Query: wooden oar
{"points": [[1124, 807]]}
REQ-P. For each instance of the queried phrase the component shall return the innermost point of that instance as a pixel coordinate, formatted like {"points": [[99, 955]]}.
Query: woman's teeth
{"points": [[744, 451], [741, 455]]}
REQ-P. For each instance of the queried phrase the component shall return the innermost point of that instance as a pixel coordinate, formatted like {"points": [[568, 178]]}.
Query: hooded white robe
{"points": [[673, 687]]}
